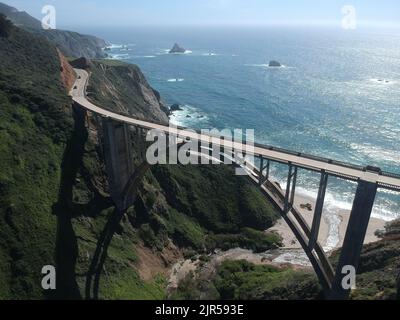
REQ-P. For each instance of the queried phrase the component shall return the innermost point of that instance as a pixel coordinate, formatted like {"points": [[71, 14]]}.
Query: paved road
{"points": [[78, 94]]}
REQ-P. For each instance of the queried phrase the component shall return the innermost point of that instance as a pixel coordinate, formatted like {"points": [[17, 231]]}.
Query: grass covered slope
{"points": [[242, 280], [54, 204], [229, 210], [34, 127]]}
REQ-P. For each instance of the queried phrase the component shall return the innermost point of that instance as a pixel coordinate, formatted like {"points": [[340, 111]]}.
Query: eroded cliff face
{"points": [[68, 75], [123, 88]]}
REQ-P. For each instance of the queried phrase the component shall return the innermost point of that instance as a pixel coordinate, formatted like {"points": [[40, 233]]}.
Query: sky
{"points": [[84, 13]]}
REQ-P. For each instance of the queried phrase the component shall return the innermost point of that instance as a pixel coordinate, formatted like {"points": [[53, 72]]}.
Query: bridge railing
{"points": [[273, 148]]}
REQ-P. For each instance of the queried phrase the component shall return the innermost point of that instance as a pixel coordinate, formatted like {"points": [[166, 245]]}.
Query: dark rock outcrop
{"points": [[274, 63], [81, 63], [175, 107], [177, 49]]}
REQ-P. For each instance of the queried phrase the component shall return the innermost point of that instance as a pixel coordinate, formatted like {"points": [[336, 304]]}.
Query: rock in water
{"points": [[175, 107], [274, 63], [177, 49]]}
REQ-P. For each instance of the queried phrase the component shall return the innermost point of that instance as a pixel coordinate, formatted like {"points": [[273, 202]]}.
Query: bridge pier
{"points": [[318, 210], [355, 235], [290, 188], [118, 159]]}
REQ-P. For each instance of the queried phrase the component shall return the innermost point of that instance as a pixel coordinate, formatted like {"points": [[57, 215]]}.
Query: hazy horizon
{"points": [[125, 13]]}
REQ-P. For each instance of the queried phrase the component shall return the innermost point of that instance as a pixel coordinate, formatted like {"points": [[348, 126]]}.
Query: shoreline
{"points": [[328, 230]]}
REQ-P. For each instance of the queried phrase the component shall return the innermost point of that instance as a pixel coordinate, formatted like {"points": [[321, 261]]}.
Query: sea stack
{"points": [[177, 49], [274, 63]]}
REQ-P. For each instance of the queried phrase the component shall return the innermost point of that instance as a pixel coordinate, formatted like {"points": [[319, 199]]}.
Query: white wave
{"points": [[377, 153], [181, 53], [115, 46], [188, 116], [145, 57], [211, 54], [121, 56], [175, 80], [265, 65]]}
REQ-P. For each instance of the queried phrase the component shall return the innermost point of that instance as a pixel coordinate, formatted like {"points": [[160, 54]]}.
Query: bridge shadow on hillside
{"points": [[127, 199], [66, 251], [96, 267]]}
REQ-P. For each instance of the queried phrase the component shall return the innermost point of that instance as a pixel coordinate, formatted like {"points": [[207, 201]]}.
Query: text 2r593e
{"points": [[210, 310]]}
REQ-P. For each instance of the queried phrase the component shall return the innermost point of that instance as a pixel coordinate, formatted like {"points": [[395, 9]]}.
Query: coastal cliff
{"points": [[71, 44], [123, 88]]}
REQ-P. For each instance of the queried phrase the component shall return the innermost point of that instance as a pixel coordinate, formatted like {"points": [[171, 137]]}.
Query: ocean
{"points": [[337, 94]]}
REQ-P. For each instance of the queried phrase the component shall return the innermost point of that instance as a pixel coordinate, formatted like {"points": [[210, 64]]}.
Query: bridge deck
{"points": [[348, 171]]}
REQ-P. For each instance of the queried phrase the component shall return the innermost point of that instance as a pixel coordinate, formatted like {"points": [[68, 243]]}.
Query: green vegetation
{"points": [[214, 196], [54, 204], [114, 63], [241, 280], [245, 281], [204, 208], [257, 241], [379, 267], [5, 26], [34, 128]]}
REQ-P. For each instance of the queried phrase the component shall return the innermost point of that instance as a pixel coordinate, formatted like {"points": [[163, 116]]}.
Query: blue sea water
{"points": [[337, 96]]}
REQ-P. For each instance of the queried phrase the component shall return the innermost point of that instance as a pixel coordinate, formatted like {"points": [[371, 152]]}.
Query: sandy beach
{"points": [[328, 231]]}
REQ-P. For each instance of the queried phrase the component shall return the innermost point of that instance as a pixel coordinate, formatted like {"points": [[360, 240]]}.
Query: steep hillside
{"points": [[35, 125], [71, 44], [54, 201], [19, 18]]}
